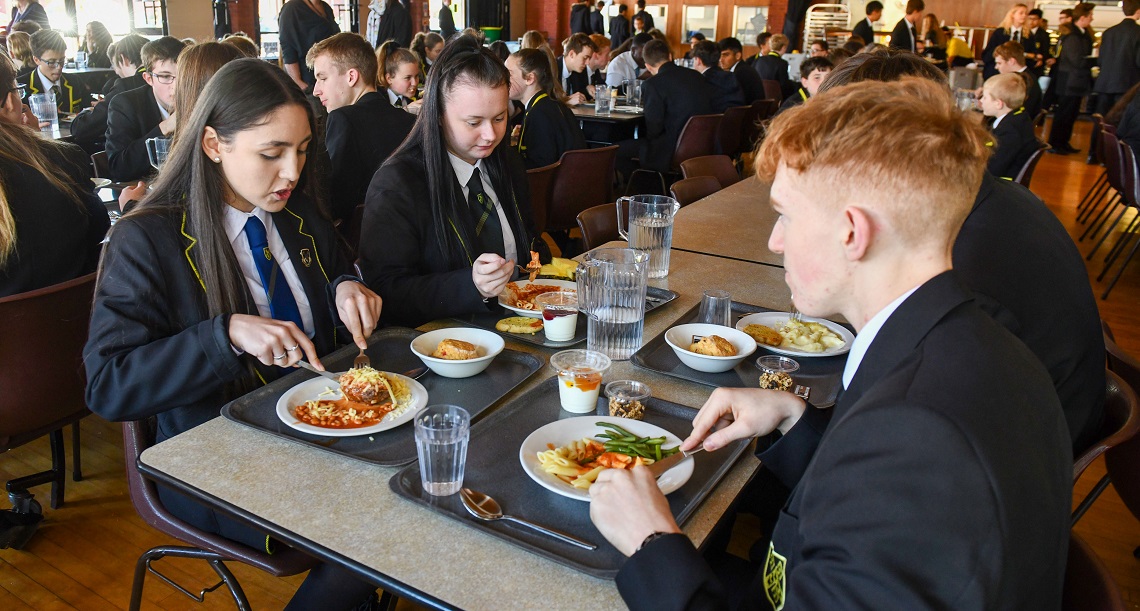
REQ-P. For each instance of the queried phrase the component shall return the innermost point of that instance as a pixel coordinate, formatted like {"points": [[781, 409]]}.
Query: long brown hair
{"points": [[240, 96], [20, 145], [389, 57], [196, 65], [533, 61]]}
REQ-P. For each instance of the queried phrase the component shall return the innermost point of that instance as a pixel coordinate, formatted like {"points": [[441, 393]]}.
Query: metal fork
{"points": [[361, 360], [796, 316]]}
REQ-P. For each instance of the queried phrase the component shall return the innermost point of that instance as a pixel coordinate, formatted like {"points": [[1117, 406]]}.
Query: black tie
{"points": [[488, 230], [55, 92], [1017, 35]]}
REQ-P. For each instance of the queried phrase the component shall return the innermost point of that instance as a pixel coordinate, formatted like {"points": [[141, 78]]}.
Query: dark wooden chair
{"points": [[717, 166], [1099, 187], [698, 138], [690, 190], [1123, 459], [215, 550], [1088, 582], [584, 179], [42, 334], [599, 225], [772, 91], [541, 192], [1116, 172], [730, 133], [1025, 174], [1121, 424], [1088, 206]]}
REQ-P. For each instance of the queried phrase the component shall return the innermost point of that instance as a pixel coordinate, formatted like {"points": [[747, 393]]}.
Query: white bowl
{"points": [[487, 344], [680, 338]]}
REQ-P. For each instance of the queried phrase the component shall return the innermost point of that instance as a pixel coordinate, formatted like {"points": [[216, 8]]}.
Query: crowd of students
{"points": [[231, 266]]}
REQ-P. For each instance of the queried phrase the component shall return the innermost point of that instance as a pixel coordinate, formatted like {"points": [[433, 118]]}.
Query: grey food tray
{"points": [[824, 374], [493, 467], [389, 350], [655, 298]]}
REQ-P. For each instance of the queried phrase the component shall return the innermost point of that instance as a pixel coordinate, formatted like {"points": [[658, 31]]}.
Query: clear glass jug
{"points": [[650, 228], [611, 294]]}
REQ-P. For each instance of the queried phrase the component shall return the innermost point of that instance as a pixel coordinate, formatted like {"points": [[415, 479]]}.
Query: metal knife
{"points": [[332, 376], [660, 467]]}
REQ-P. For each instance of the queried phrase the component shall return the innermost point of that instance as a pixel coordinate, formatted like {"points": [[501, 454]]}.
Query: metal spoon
{"points": [[486, 508]]}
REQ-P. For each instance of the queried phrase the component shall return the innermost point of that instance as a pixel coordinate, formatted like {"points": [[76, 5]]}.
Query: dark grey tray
{"points": [[493, 467], [655, 298], [389, 350], [824, 374]]}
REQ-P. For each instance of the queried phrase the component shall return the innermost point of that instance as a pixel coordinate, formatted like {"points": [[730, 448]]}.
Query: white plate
{"points": [[561, 284], [309, 389], [777, 320], [562, 432]]}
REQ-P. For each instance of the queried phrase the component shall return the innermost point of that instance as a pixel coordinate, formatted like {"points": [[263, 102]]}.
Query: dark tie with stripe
{"points": [[488, 230], [282, 304]]}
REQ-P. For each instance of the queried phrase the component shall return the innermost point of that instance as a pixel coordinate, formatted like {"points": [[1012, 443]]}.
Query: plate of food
{"points": [[519, 295], [567, 455], [808, 337], [367, 401]]}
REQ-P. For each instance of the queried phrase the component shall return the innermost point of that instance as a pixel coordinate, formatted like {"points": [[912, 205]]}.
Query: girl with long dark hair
{"points": [[221, 278], [546, 128], [96, 41], [447, 217]]}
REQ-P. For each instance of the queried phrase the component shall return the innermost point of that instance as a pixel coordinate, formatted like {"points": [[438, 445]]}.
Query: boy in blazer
{"points": [[48, 51], [772, 67], [725, 89], [929, 383], [865, 29], [1009, 58], [904, 35], [813, 71], [1014, 140], [362, 128], [146, 112], [670, 97], [577, 51], [1119, 58], [731, 52]]}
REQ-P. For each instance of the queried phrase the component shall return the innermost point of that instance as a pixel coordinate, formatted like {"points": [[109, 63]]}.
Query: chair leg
{"points": [[1120, 271], [1098, 196], [1095, 188], [388, 601], [1088, 501], [58, 468], [76, 461], [1107, 232], [1121, 244], [1109, 198], [143, 566], [1097, 221], [231, 583]]}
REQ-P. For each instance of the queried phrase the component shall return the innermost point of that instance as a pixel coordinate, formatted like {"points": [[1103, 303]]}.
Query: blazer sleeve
{"points": [[126, 142], [1005, 151], [132, 342]]}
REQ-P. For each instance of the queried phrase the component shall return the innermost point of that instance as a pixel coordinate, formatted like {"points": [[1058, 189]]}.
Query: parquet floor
{"points": [[84, 553]]}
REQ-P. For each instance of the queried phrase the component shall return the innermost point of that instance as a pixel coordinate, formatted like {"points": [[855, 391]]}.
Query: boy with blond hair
{"points": [[909, 493], [1014, 141]]}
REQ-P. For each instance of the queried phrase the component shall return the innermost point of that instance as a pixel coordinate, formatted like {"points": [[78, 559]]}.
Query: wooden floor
{"points": [[84, 553]]}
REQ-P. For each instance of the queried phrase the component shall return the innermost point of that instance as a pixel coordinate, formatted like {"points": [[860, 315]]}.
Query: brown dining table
{"points": [[733, 223]]}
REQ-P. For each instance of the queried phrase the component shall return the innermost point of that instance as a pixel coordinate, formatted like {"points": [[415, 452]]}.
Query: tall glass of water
{"points": [[650, 228], [442, 432], [44, 108], [611, 293], [602, 101]]}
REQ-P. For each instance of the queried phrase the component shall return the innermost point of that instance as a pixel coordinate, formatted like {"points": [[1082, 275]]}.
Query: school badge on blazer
{"points": [[306, 258], [775, 578]]}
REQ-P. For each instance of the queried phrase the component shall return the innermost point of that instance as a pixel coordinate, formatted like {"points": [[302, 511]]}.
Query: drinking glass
{"points": [[602, 101], [650, 228], [43, 106], [156, 151], [716, 308], [442, 432]]}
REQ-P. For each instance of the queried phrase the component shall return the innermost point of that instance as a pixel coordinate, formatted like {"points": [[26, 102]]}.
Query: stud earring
{"points": [[217, 159]]}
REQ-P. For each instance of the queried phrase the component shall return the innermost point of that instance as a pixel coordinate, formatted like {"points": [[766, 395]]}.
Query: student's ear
{"points": [[211, 144], [353, 77], [861, 233]]}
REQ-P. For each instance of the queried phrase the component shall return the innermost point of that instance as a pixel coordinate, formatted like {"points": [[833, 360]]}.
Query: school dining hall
{"points": [[518, 304]]}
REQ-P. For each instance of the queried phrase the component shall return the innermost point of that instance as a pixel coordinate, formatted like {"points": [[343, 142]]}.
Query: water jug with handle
{"points": [[650, 228], [611, 294]]}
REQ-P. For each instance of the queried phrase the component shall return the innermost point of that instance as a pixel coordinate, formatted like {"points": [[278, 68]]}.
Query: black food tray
{"points": [[493, 468], [823, 374], [389, 350], [655, 298]]}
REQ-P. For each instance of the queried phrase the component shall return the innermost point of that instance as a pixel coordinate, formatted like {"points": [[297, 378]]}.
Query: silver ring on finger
{"points": [[294, 348], [279, 357]]}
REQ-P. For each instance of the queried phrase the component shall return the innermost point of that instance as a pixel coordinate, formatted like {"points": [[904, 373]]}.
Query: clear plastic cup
{"points": [[716, 308], [579, 379], [776, 372], [627, 398], [442, 432], [559, 314]]}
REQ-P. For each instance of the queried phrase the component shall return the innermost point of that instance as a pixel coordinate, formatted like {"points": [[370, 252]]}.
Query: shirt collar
{"points": [[867, 335], [998, 120], [47, 84], [161, 111], [392, 97], [565, 70], [464, 170], [235, 220]]}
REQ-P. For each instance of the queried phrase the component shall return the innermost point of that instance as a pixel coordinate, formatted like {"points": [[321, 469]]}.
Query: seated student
{"points": [[399, 74], [89, 127], [933, 386], [772, 67], [628, 65], [763, 43], [819, 48], [188, 314], [51, 223], [865, 29], [362, 128], [1017, 256], [731, 52], [596, 66], [813, 71], [726, 91], [577, 51], [20, 51], [1009, 58], [546, 128], [447, 218], [145, 112], [428, 46], [1014, 140], [243, 43], [49, 51], [670, 98]]}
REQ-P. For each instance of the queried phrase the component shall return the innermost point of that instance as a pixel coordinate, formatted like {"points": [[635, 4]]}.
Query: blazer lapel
{"points": [[310, 268], [72, 103]]}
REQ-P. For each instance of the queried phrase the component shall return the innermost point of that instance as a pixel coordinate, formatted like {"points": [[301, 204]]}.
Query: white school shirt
{"points": [[235, 230], [867, 335], [463, 171], [621, 68]]}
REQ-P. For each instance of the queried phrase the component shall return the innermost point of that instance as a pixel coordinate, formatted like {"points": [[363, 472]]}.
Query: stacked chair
{"points": [[1118, 193]]}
